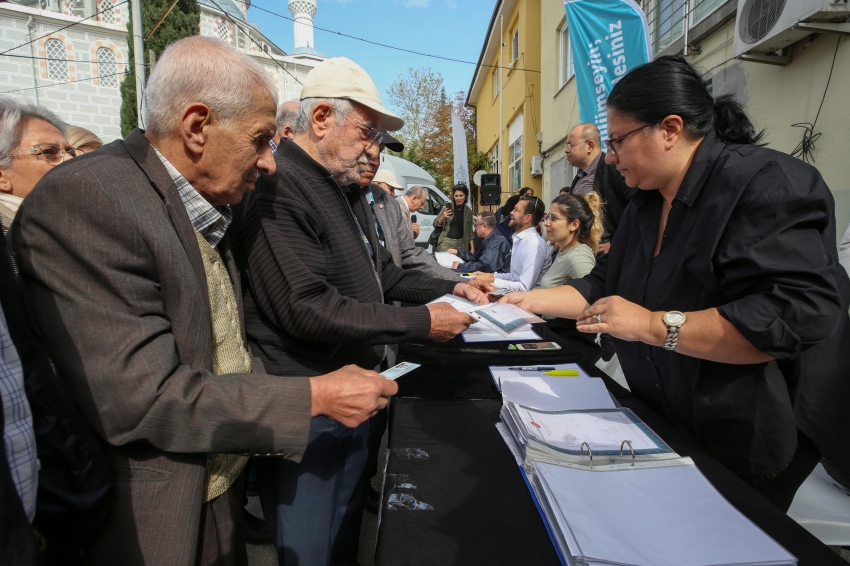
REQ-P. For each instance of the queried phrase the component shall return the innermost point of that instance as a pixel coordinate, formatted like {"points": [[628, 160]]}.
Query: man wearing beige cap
{"points": [[318, 293], [387, 180]]}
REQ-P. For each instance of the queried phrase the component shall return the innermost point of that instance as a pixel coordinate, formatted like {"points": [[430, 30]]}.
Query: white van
{"points": [[409, 174]]}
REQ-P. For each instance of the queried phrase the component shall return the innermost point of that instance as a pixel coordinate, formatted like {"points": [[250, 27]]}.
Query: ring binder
{"points": [[629, 442], [589, 452]]}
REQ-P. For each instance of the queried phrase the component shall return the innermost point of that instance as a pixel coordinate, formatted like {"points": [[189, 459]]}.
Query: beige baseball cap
{"points": [[388, 177], [340, 77]]}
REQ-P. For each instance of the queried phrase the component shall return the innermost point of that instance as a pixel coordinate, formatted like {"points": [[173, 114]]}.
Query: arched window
{"points": [[107, 11], [107, 68], [222, 31], [57, 64]]}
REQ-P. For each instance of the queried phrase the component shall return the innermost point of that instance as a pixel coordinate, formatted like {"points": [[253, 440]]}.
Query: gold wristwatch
{"points": [[674, 321]]}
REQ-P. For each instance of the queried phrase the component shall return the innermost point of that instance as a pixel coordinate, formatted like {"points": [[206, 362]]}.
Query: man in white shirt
{"points": [[530, 256]]}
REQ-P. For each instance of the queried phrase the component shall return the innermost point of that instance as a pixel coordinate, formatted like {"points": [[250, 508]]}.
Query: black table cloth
{"points": [[482, 510]]}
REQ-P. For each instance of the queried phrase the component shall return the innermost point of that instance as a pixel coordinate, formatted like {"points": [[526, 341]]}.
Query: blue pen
{"points": [[533, 368]]}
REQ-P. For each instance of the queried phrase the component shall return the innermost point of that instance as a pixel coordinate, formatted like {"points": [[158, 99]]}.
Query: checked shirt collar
{"points": [[211, 221]]}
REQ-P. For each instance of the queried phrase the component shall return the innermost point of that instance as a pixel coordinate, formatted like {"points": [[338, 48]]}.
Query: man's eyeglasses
{"points": [[53, 154], [612, 143], [372, 133], [572, 145]]}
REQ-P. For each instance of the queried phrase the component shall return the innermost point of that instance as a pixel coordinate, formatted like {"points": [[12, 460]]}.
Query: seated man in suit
{"points": [[495, 253], [126, 257]]}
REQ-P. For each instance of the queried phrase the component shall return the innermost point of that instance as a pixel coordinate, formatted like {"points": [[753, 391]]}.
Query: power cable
{"points": [[339, 33], [805, 149], [64, 28], [254, 41], [62, 83]]}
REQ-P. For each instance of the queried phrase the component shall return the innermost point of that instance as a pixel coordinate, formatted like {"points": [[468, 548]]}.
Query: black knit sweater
{"points": [[314, 301]]}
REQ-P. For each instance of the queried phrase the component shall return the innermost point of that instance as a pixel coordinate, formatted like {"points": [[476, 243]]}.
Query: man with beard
{"points": [[530, 255], [319, 284]]}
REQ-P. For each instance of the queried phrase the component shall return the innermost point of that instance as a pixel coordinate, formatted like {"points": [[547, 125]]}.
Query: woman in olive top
{"points": [[722, 276], [455, 221], [574, 225]]}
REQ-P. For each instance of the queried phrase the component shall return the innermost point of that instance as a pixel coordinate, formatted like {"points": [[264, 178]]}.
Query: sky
{"points": [[449, 28]]}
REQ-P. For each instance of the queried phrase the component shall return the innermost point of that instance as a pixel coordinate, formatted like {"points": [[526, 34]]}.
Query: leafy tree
{"points": [[183, 21], [417, 96], [422, 102]]}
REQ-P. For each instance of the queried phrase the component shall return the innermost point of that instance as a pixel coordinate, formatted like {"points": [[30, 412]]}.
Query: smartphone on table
{"points": [[539, 346]]}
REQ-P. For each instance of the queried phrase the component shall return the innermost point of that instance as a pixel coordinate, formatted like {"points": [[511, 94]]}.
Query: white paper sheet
{"points": [[602, 430], [446, 259], [558, 393], [668, 516], [499, 373], [479, 332]]}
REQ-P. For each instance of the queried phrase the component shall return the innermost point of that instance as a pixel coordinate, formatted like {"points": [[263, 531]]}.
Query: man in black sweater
{"points": [[317, 299]]}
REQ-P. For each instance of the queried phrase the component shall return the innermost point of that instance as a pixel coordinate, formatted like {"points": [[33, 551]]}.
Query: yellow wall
{"points": [[520, 91], [558, 105]]}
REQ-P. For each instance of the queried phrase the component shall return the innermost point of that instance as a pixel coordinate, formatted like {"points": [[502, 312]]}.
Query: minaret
{"points": [[303, 12]]}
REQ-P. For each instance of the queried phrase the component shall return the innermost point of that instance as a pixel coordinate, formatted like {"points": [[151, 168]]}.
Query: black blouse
{"points": [[751, 232]]}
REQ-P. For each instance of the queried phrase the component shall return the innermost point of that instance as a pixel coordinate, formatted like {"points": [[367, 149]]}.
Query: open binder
{"points": [[612, 492]]}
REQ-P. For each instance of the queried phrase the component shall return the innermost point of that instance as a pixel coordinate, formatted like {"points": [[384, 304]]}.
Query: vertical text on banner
{"points": [[608, 39]]}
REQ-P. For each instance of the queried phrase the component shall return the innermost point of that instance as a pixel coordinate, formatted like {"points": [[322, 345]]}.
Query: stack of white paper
{"points": [[590, 438], [496, 322], [446, 259], [668, 516]]}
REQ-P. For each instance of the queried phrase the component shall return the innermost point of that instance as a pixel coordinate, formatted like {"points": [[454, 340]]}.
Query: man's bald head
{"points": [[287, 114], [583, 145]]}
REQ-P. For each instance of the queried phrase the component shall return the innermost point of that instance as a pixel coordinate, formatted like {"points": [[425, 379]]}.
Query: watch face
{"points": [[674, 318]]}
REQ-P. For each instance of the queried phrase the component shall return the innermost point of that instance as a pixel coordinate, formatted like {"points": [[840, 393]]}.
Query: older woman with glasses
{"points": [[721, 282], [32, 142]]}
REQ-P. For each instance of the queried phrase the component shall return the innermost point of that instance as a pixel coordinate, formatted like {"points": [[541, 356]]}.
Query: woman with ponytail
{"points": [[574, 225], [721, 288]]}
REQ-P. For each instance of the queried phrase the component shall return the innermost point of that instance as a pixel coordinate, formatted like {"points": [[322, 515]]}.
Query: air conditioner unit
{"points": [[767, 26], [536, 166]]}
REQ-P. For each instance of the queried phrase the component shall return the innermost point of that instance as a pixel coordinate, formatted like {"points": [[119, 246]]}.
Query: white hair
{"points": [[12, 111], [416, 191], [287, 113], [206, 70], [340, 107]]}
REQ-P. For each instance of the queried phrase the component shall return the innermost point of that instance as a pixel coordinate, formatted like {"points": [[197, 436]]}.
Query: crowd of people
{"points": [[210, 301]]}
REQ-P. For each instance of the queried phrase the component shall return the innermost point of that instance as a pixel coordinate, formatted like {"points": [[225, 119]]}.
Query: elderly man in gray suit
{"points": [[393, 222], [127, 260]]}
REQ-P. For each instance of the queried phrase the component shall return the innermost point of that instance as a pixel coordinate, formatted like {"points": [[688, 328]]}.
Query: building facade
{"points": [[505, 93], [786, 90], [74, 72], [805, 82], [77, 71]]}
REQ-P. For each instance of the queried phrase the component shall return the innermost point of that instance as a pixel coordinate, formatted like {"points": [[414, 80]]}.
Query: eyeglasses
{"points": [[552, 218], [611, 142], [572, 145], [53, 154], [373, 133]]}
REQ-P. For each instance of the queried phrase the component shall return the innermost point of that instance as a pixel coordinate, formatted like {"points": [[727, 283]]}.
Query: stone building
{"points": [[70, 55]]}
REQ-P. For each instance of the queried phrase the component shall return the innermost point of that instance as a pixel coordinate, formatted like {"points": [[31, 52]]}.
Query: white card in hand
{"points": [[399, 370]]}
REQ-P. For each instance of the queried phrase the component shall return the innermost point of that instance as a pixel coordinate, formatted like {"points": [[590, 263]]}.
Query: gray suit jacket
{"points": [[117, 285], [398, 235], [405, 212]]}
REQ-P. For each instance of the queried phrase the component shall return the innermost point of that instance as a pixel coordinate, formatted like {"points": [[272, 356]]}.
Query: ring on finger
{"points": [[598, 319]]}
